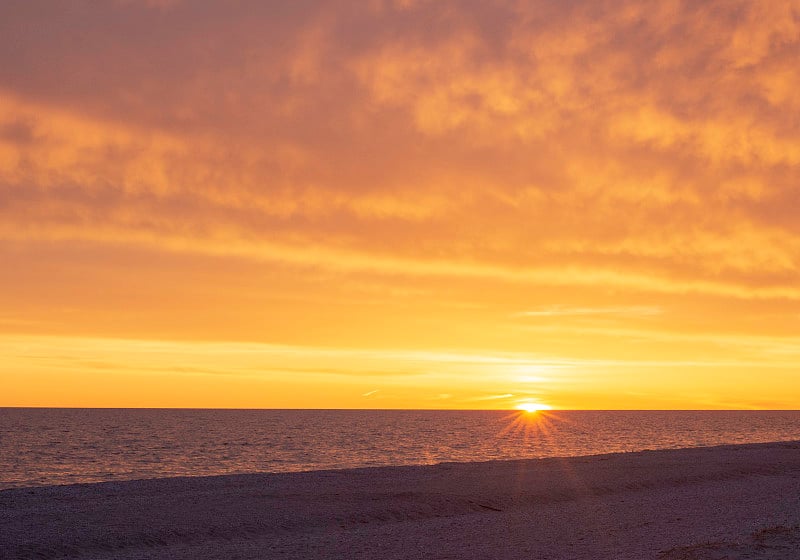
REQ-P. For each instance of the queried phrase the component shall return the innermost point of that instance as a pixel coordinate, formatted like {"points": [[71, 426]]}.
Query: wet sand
{"points": [[708, 503]]}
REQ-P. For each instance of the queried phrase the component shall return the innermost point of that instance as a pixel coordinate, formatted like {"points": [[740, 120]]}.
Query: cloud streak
{"points": [[562, 311]]}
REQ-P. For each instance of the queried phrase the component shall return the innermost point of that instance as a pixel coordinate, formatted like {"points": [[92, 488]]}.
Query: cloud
{"points": [[579, 133], [493, 397], [563, 311]]}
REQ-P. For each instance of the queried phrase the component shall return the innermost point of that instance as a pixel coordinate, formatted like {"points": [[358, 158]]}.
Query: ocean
{"points": [[65, 446]]}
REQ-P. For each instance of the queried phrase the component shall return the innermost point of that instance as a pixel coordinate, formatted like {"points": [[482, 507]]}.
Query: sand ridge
{"points": [[719, 502]]}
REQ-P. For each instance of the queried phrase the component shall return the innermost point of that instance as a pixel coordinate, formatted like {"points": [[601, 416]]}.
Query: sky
{"points": [[400, 204]]}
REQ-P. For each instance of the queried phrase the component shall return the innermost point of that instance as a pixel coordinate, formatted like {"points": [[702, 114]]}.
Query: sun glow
{"points": [[532, 407]]}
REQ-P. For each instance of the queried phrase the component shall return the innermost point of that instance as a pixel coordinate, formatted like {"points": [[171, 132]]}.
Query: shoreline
{"points": [[698, 502], [396, 466]]}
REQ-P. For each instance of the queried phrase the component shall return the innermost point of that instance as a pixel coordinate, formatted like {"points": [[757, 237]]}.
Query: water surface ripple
{"points": [[64, 446]]}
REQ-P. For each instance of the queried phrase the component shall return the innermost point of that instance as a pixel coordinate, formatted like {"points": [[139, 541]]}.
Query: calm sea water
{"points": [[63, 446]]}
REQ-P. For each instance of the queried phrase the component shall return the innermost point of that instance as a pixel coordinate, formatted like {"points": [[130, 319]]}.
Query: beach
{"points": [[738, 501]]}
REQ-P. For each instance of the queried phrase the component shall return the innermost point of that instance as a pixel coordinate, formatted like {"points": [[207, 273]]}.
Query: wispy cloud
{"points": [[493, 397], [566, 311]]}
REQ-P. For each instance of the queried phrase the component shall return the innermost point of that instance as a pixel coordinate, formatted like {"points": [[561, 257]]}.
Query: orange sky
{"points": [[409, 203]]}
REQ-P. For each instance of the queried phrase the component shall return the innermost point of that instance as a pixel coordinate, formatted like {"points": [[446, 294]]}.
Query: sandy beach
{"points": [[704, 503]]}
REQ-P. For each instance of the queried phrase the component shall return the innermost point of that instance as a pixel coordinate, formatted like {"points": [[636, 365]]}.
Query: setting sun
{"points": [[532, 407]]}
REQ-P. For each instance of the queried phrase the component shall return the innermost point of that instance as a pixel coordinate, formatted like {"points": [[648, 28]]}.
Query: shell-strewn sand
{"points": [[722, 502]]}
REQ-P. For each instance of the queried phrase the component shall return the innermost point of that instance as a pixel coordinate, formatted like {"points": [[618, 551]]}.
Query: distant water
{"points": [[64, 446]]}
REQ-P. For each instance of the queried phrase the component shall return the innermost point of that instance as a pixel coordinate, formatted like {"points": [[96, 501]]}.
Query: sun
{"points": [[532, 407]]}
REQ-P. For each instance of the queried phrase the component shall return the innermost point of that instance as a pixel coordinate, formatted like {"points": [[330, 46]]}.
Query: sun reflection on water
{"points": [[537, 427]]}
